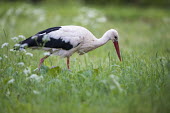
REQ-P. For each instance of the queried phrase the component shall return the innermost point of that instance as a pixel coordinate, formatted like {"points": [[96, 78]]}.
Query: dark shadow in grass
{"points": [[50, 70], [56, 70], [88, 73], [44, 69]]}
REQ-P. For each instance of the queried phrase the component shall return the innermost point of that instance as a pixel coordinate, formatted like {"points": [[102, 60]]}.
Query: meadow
{"points": [[98, 82]]}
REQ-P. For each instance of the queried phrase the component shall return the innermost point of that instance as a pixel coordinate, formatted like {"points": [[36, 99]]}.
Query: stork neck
{"points": [[104, 39]]}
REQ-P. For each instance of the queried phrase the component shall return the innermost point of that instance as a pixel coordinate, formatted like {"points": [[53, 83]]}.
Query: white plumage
{"points": [[66, 40]]}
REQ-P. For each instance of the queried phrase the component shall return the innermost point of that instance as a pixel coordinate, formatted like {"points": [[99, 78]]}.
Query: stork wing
{"points": [[55, 37]]}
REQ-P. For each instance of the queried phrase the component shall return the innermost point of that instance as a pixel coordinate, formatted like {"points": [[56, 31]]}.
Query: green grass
{"points": [[98, 82]]}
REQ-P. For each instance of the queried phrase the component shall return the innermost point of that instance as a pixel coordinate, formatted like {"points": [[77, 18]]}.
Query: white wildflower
{"points": [[17, 45], [101, 19], [24, 45], [35, 77], [22, 50], [46, 38], [4, 44], [5, 56], [21, 36], [91, 13], [27, 71], [47, 53], [11, 81], [0, 58], [30, 54], [14, 38], [21, 63], [36, 92], [11, 50]]}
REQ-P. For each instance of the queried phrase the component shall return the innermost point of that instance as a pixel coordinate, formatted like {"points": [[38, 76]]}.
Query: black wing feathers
{"points": [[53, 43], [49, 30], [58, 43]]}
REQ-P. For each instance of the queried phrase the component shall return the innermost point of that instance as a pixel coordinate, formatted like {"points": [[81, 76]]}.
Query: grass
{"points": [[98, 82]]}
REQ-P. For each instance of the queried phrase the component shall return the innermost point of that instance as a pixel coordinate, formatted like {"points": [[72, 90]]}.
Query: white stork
{"points": [[66, 40]]}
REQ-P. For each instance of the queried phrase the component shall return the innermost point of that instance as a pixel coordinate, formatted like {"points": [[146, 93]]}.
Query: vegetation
{"points": [[98, 82], [159, 3]]}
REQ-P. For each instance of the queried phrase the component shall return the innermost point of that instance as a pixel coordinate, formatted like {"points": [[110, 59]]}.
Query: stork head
{"points": [[113, 35]]}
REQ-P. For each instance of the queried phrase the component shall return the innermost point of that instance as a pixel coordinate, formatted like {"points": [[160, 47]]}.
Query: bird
{"points": [[66, 40]]}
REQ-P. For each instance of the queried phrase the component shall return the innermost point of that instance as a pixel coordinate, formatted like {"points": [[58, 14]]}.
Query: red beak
{"points": [[116, 44]]}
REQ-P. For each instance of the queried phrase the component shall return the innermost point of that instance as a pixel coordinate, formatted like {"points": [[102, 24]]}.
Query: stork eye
{"points": [[116, 37]]}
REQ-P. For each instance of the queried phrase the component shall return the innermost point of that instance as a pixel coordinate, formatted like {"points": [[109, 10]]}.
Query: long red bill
{"points": [[116, 44]]}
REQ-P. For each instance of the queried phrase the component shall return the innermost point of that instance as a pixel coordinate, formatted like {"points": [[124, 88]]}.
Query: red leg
{"points": [[41, 61], [68, 62]]}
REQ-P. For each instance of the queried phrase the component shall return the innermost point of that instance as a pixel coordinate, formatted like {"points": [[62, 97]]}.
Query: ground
{"points": [[98, 82]]}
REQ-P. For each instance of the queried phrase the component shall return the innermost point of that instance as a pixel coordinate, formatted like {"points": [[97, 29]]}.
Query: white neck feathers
{"points": [[104, 39]]}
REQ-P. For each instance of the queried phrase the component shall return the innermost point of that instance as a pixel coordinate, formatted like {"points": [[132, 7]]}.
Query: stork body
{"points": [[66, 40]]}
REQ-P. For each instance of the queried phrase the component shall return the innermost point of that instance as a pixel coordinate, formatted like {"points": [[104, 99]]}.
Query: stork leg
{"points": [[68, 62], [42, 60]]}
